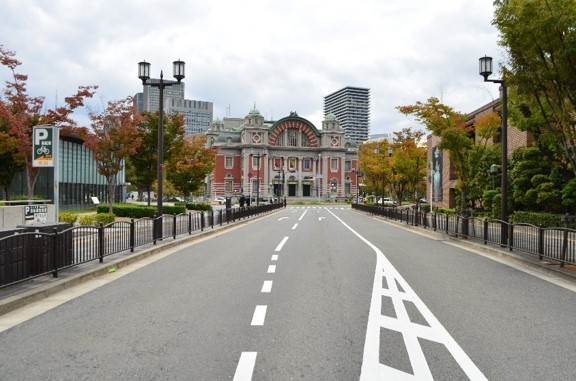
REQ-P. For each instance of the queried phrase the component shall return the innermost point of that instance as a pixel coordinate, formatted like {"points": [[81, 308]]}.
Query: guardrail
{"points": [[29, 254], [557, 243]]}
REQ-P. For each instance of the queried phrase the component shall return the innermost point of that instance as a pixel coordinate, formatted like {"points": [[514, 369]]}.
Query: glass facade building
{"points": [[78, 179]]}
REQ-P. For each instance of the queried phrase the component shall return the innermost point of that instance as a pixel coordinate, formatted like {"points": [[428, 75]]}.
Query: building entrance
{"points": [[292, 190], [306, 190]]}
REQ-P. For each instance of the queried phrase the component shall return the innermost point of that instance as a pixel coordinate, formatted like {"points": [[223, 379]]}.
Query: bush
{"points": [[96, 219], [176, 209], [87, 219], [128, 210], [547, 220], [105, 218], [68, 217], [199, 206]]}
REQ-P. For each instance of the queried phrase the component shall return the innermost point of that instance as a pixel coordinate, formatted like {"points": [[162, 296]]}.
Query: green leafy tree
{"points": [[465, 143], [409, 164], [142, 166], [539, 38], [376, 165], [187, 170], [456, 138], [536, 183]]}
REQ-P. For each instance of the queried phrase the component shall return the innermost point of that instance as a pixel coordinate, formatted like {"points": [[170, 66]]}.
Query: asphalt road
{"points": [[310, 293]]}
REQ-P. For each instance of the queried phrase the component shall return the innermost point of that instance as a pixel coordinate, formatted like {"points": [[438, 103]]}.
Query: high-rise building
{"points": [[197, 114], [351, 105]]}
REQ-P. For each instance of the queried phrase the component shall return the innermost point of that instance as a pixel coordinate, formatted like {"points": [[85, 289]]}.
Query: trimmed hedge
{"points": [[137, 211], [199, 206], [128, 210], [547, 220], [96, 219]]}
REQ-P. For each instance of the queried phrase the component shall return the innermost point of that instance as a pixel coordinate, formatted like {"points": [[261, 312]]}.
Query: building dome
{"points": [[330, 117]]}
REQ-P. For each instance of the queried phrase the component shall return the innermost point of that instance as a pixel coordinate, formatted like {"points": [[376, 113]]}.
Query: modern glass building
{"points": [[78, 179], [197, 114], [351, 105]]}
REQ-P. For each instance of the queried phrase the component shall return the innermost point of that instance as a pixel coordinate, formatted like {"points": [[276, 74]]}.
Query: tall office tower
{"points": [[197, 114], [351, 105]]}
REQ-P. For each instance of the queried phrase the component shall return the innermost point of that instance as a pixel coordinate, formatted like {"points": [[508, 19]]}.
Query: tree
{"points": [[456, 138], [113, 138], [376, 167], [539, 38], [27, 112], [409, 163], [142, 167], [187, 170], [465, 143], [11, 159]]}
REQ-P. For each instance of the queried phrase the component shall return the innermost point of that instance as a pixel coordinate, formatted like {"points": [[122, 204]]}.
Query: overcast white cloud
{"points": [[283, 55]]}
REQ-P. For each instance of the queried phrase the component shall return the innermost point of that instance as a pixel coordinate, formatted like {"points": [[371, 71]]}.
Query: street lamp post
{"points": [[144, 75], [485, 71], [258, 155]]}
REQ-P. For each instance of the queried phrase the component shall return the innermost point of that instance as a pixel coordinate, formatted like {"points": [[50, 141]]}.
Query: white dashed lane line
{"points": [[259, 315], [267, 286], [245, 367], [247, 362]]}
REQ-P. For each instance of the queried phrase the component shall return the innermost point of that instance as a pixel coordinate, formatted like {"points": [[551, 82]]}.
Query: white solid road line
{"points": [[267, 286], [245, 367], [259, 315]]}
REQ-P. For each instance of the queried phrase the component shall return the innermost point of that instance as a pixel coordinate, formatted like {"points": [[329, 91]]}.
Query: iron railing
{"points": [[557, 243], [30, 254]]}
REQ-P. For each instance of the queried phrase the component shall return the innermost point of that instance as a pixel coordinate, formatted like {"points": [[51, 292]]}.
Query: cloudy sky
{"points": [[280, 55]]}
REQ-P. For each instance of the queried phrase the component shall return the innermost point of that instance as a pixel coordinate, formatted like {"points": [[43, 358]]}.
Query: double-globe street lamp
{"points": [[144, 75], [485, 71]]}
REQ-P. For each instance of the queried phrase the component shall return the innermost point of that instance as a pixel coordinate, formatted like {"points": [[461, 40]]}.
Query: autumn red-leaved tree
{"points": [[28, 112], [113, 138]]}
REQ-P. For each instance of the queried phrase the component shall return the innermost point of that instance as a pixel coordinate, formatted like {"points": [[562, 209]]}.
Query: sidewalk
{"points": [[22, 294], [549, 266]]}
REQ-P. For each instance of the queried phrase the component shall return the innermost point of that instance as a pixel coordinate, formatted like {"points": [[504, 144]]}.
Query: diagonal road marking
{"points": [[372, 369]]}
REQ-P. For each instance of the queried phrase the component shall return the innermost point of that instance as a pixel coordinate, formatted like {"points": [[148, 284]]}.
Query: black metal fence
{"points": [[558, 244], [28, 254]]}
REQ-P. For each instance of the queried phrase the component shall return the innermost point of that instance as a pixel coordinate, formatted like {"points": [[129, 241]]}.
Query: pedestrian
{"points": [[284, 201]]}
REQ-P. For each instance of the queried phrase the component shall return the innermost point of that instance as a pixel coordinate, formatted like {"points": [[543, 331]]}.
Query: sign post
{"points": [[45, 144]]}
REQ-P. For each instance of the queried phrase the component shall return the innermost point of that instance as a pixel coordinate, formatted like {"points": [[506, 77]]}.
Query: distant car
{"points": [[175, 199], [423, 200], [220, 200], [386, 201]]}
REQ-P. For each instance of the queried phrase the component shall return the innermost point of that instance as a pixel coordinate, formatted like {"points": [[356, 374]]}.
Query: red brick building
{"points": [[289, 157], [442, 179]]}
